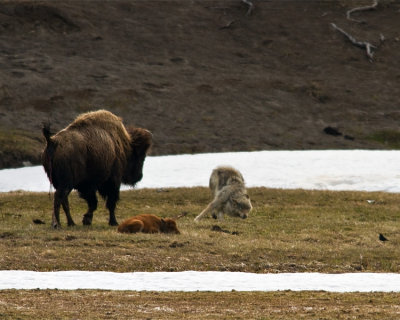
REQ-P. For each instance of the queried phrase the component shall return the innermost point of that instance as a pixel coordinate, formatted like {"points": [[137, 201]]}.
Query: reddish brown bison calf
{"points": [[94, 153], [148, 223]]}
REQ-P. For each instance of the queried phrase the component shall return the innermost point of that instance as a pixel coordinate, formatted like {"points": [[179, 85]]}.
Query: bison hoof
{"points": [[113, 223], [87, 221], [71, 223], [56, 226]]}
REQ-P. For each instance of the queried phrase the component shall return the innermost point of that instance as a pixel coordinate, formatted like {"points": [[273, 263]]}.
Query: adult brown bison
{"points": [[94, 153]]}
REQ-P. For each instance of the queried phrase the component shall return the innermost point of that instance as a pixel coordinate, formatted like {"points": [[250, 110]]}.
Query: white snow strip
{"points": [[200, 281], [360, 170]]}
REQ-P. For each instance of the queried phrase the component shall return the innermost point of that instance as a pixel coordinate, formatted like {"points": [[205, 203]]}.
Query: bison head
{"points": [[141, 140]]}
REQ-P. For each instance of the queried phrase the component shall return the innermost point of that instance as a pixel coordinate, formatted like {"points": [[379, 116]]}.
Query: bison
{"points": [[94, 153], [148, 223], [230, 196]]}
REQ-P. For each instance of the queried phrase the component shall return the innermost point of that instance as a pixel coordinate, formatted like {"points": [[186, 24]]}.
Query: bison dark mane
{"points": [[94, 153]]}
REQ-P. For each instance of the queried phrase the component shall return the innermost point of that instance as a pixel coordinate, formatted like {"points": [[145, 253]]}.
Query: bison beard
{"points": [[94, 153]]}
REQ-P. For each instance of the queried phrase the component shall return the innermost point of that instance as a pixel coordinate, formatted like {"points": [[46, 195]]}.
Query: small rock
{"points": [[332, 131]]}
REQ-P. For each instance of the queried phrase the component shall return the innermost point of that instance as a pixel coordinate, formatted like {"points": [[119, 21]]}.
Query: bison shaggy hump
{"points": [[94, 153]]}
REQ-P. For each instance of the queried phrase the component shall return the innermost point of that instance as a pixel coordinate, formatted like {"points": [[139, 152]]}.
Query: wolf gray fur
{"points": [[230, 196]]}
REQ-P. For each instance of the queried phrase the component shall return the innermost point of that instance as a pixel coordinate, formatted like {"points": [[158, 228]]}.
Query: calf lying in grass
{"points": [[148, 223]]}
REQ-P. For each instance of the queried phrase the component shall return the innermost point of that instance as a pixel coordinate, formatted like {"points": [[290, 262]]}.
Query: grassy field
{"points": [[288, 231]]}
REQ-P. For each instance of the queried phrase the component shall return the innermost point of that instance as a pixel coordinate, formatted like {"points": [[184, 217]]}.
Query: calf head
{"points": [[169, 226]]}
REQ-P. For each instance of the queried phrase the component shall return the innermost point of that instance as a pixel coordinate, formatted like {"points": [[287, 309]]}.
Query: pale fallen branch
{"points": [[361, 44], [183, 214], [251, 6], [228, 25], [371, 7]]}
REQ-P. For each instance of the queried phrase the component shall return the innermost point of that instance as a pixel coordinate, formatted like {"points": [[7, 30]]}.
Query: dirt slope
{"points": [[201, 75]]}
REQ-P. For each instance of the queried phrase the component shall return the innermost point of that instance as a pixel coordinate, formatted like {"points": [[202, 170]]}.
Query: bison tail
{"points": [[47, 155], [46, 132]]}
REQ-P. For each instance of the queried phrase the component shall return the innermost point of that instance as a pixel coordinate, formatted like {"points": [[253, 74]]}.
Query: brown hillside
{"points": [[201, 75]]}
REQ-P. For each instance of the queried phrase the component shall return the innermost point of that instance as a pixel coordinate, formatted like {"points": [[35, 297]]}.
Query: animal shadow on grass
{"points": [[382, 237], [219, 229]]}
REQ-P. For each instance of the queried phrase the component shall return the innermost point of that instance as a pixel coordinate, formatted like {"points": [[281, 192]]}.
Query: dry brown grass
{"points": [[295, 231], [88, 304]]}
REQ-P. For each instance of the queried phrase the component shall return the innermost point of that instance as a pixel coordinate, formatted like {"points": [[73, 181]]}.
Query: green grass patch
{"points": [[389, 138]]}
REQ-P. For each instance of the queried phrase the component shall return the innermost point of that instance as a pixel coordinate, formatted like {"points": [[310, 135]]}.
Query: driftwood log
{"points": [[365, 8], [250, 5], [361, 44]]}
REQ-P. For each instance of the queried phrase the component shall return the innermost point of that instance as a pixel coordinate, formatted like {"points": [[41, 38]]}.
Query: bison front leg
{"points": [[111, 203], [110, 192]]}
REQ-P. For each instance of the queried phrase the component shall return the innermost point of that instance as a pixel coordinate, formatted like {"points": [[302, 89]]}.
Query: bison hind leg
{"points": [[110, 192], [65, 205], [61, 198]]}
